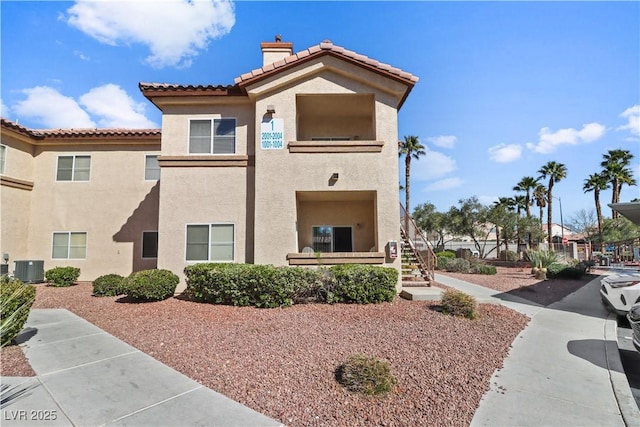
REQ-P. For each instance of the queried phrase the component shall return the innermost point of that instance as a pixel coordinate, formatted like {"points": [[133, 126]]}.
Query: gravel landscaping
{"points": [[520, 282], [282, 362]]}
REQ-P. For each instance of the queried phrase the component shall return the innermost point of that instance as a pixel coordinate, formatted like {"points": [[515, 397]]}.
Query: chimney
{"points": [[275, 51]]}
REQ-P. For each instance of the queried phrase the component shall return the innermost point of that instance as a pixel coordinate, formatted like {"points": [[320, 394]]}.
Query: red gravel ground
{"points": [[281, 362], [520, 282]]}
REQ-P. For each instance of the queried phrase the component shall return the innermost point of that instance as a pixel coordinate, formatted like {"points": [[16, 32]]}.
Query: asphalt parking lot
{"points": [[630, 357]]}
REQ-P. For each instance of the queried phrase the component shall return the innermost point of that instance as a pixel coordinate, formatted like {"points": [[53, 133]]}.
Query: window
{"points": [[151, 168], [149, 244], [73, 168], [69, 245], [3, 157], [212, 242], [332, 239], [217, 136]]}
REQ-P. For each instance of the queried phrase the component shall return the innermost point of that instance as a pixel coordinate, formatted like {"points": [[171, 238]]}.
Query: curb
{"points": [[621, 390]]}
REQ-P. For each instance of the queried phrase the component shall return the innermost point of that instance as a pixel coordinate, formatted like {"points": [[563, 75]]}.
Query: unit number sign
{"points": [[272, 134]]}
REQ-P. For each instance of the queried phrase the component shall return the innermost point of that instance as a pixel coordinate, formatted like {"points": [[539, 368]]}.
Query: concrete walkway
{"points": [[564, 368], [86, 377]]}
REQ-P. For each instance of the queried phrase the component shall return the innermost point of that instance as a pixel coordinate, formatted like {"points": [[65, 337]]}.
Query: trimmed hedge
{"points": [[266, 286], [150, 285], [109, 285], [62, 276], [16, 301], [458, 265], [448, 253], [362, 284], [480, 268]]}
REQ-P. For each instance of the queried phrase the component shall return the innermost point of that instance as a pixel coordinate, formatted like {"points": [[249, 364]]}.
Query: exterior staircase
{"points": [[418, 261]]}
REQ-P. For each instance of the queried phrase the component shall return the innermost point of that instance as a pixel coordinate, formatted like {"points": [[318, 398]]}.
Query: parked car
{"points": [[634, 321], [620, 291]]}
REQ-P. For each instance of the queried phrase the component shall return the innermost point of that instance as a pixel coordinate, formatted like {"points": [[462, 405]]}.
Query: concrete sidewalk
{"points": [[564, 368], [86, 377]]}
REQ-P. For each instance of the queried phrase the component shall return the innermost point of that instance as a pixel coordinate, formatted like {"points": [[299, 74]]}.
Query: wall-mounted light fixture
{"points": [[5, 256], [335, 176], [271, 109]]}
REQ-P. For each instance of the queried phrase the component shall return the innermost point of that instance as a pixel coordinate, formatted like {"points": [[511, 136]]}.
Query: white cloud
{"points": [[115, 108], [174, 30], [81, 55], [488, 200], [503, 153], [632, 114], [444, 184], [4, 110], [431, 166], [444, 141], [104, 106], [52, 109], [549, 140]]}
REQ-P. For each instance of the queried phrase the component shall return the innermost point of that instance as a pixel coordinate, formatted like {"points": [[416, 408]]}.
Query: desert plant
{"points": [[108, 285], [539, 259], [458, 303], [508, 255], [16, 300], [446, 253], [458, 265], [442, 263], [480, 268], [366, 375], [62, 276], [150, 285]]}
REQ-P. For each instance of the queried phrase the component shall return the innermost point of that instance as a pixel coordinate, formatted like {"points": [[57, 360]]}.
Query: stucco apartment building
{"points": [[297, 157]]}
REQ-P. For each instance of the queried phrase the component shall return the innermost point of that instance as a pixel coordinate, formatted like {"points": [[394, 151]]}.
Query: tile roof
{"points": [[40, 134], [327, 48]]}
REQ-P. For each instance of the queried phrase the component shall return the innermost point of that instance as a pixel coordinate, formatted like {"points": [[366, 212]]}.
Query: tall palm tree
{"points": [[527, 184], [596, 183], [617, 171], [520, 203], [411, 148], [555, 172], [540, 194]]}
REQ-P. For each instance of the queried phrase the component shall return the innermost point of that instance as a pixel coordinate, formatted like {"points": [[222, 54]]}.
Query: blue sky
{"points": [[504, 86]]}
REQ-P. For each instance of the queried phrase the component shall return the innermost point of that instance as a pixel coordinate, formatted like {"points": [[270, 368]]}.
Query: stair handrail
{"points": [[407, 220]]}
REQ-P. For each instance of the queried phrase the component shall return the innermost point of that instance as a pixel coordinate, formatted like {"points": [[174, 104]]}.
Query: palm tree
{"points": [[540, 195], [410, 148], [527, 184], [555, 172], [596, 183], [617, 171]]}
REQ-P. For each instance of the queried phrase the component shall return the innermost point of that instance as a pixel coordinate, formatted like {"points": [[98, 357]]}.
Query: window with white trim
{"points": [[212, 136], [151, 168], [69, 245], [149, 244], [73, 168], [210, 242], [3, 158]]}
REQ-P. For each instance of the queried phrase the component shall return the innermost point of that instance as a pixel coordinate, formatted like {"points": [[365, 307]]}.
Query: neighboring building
{"points": [[297, 157]]}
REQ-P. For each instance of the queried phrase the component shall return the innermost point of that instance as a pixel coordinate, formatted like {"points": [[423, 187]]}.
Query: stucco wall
{"points": [[113, 208]]}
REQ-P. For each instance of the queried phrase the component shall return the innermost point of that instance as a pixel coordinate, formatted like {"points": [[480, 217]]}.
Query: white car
{"points": [[620, 291], [634, 321]]}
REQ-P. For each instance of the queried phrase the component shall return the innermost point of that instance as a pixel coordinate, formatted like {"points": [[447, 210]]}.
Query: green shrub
{"points": [[564, 271], [62, 276], [150, 285], [458, 265], [508, 255], [267, 286], [458, 303], [16, 299], [108, 285], [361, 284], [443, 261], [366, 375], [541, 258], [480, 268], [448, 253]]}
